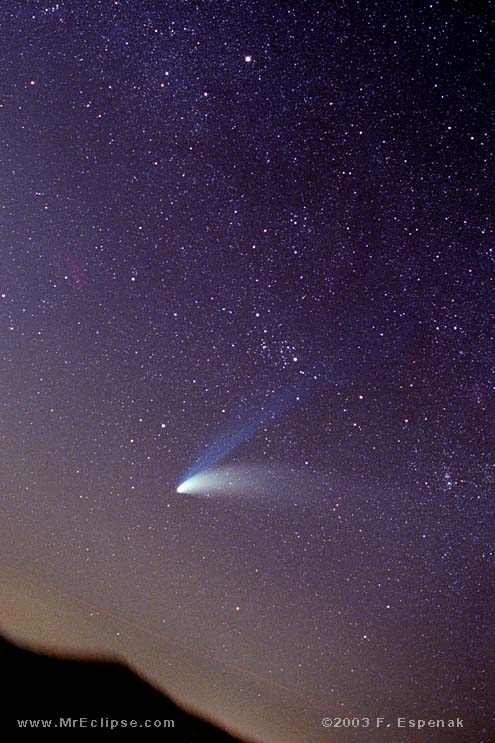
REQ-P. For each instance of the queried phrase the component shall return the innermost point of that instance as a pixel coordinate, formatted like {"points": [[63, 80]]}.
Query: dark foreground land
{"points": [[71, 693]]}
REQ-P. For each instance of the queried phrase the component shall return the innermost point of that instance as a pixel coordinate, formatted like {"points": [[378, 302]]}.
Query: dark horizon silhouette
{"points": [[91, 692]]}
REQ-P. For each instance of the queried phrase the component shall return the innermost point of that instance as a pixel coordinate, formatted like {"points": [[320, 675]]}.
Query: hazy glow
{"points": [[233, 479], [249, 480]]}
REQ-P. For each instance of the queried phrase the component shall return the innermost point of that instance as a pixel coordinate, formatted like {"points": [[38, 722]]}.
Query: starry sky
{"points": [[264, 227]]}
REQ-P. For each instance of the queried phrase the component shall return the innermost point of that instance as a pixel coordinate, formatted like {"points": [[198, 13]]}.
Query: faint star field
{"points": [[205, 205]]}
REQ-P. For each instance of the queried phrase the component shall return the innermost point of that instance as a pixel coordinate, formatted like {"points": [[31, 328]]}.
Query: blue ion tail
{"points": [[232, 435]]}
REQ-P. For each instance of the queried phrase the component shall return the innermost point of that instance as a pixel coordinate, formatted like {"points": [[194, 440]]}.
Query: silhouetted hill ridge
{"points": [[39, 686]]}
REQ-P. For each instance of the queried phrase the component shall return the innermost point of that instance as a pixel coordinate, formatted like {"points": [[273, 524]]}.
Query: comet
{"points": [[237, 479], [243, 428], [254, 483]]}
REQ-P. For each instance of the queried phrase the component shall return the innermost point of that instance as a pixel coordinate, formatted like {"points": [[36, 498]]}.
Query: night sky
{"points": [[256, 235]]}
